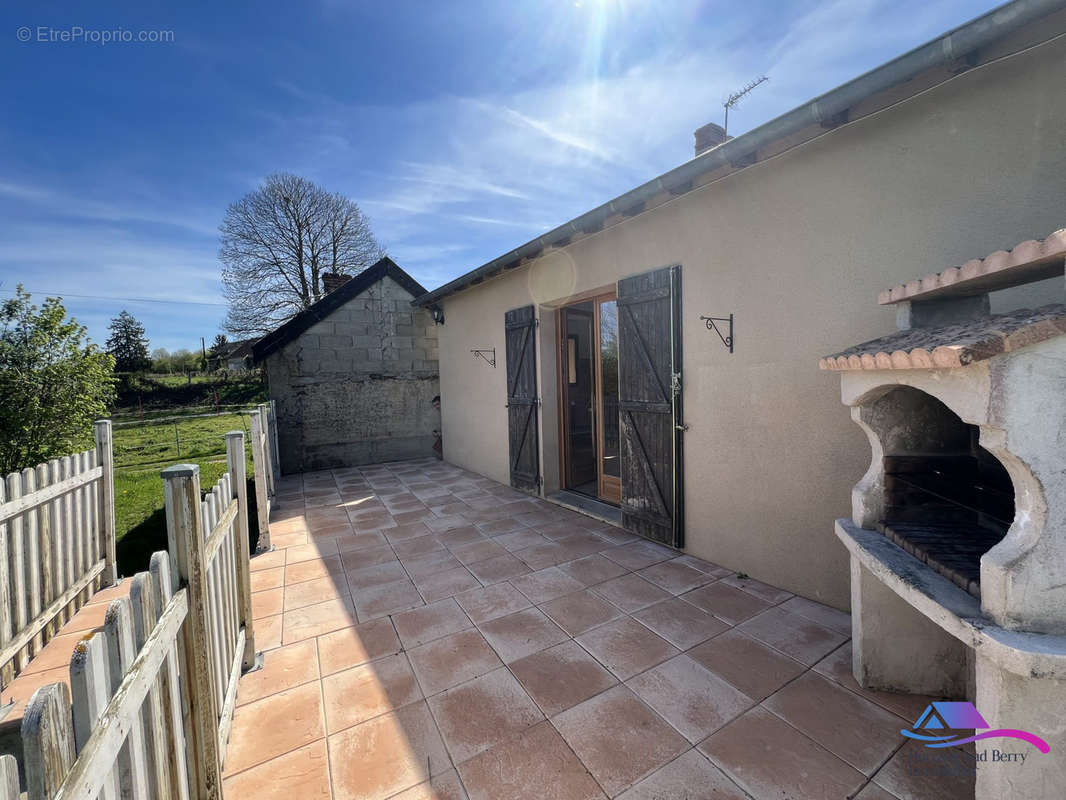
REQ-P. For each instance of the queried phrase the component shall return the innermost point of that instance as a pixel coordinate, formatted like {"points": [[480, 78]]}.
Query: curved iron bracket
{"points": [[482, 355], [727, 340]]}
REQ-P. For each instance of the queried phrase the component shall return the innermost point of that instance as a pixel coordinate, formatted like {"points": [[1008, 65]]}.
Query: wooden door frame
{"points": [[603, 481], [595, 297]]}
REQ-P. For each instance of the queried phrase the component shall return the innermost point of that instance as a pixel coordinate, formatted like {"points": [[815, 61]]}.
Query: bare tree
{"points": [[278, 241]]}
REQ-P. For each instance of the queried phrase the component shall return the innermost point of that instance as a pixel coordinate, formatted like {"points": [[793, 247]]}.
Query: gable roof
{"points": [[318, 311], [935, 62]]}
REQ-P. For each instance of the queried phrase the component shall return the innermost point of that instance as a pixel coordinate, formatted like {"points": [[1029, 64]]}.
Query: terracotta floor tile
{"points": [[303, 774], [726, 602], [264, 604], [268, 632], [315, 620], [360, 541], [613, 535], [517, 635], [630, 592], [674, 576], [691, 777], [411, 513], [444, 663], [282, 669], [626, 647], [619, 738], [537, 764], [680, 623], [286, 540], [542, 556], [872, 791], [918, 773], [448, 583], [501, 526], [827, 617], [313, 568], [319, 590], [406, 532], [639, 554], [457, 537], [837, 666], [578, 612], [751, 666], [769, 758], [376, 575], [764, 591], [409, 548], [387, 754], [520, 540], [797, 636], [476, 715], [592, 569], [442, 524], [430, 622], [446, 786], [350, 647], [310, 552], [480, 550], [371, 556], [271, 560], [388, 598], [500, 568], [545, 585], [853, 729], [713, 570], [494, 601], [561, 677], [690, 697], [264, 579], [361, 693], [274, 725], [427, 564]]}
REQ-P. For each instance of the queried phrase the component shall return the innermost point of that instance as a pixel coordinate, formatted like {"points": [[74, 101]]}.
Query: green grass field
{"points": [[142, 451]]}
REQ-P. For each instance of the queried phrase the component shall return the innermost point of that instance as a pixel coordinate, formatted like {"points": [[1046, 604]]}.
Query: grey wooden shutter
{"points": [[522, 427], [649, 393]]}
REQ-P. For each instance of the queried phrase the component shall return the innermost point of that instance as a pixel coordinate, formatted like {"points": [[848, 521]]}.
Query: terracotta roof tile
{"points": [[1031, 260], [953, 345]]}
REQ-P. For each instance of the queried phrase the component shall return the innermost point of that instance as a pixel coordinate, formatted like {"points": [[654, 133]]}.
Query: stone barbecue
{"points": [[957, 537]]}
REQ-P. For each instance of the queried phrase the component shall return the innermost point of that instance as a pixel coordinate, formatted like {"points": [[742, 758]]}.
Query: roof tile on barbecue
{"points": [[953, 345], [1029, 261]]}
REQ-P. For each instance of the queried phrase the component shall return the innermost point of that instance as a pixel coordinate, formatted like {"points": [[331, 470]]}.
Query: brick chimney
{"points": [[710, 135], [333, 280]]}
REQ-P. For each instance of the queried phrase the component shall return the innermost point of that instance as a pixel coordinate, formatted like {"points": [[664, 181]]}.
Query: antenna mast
{"points": [[736, 96]]}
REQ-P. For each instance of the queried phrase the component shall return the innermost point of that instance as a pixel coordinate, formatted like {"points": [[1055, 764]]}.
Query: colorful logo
{"points": [[962, 717]]}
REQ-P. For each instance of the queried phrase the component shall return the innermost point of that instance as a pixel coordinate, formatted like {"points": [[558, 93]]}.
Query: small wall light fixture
{"points": [[727, 340], [438, 315]]}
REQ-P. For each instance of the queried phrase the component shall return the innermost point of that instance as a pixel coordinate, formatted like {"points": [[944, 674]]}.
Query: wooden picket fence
{"points": [[152, 695], [263, 425], [57, 547]]}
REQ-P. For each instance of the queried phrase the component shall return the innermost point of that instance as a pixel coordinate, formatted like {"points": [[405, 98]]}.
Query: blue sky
{"points": [[462, 129]]}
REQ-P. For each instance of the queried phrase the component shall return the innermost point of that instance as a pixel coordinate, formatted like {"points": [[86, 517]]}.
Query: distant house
{"points": [[354, 375], [233, 356]]}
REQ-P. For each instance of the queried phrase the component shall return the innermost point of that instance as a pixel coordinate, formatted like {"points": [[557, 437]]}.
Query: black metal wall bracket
{"points": [[711, 326], [482, 355]]}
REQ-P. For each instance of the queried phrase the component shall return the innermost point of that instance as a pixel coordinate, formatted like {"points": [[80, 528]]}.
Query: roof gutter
{"points": [[944, 50]]}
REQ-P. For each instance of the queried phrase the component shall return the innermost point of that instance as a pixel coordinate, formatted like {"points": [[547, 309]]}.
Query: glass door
{"points": [[588, 333]]}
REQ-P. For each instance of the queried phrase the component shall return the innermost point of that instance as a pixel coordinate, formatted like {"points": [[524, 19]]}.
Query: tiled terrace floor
{"points": [[432, 634]]}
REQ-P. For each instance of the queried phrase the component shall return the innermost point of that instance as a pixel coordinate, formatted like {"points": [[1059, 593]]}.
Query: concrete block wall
{"points": [[357, 387]]}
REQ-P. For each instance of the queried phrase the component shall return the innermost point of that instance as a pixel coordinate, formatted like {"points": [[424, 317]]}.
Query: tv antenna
{"points": [[736, 97]]}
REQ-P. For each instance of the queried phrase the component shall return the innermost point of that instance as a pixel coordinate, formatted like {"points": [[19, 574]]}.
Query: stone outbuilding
{"points": [[355, 374]]}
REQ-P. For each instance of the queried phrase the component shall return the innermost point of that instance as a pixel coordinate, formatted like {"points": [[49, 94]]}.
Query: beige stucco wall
{"points": [[797, 248]]}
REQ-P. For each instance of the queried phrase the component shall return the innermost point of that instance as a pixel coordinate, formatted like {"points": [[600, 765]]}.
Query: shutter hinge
{"points": [[681, 426], [675, 383]]}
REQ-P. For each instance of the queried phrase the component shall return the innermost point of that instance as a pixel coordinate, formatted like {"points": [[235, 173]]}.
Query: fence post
{"points": [[185, 539], [268, 448], [235, 466], [262, 502], [47, 741], [9, 778], [275, 458], [105, 458]]}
